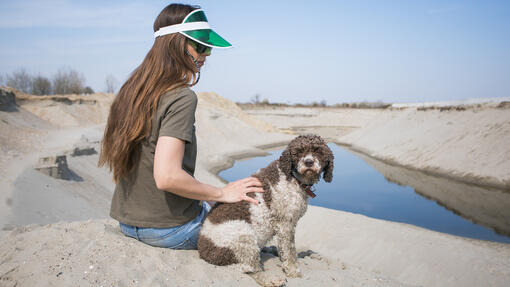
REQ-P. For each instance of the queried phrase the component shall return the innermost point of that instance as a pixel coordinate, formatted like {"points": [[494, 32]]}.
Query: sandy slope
{"points": [[407, 253], [43, 127], [95, 253], [336, 248], [471, 145]]}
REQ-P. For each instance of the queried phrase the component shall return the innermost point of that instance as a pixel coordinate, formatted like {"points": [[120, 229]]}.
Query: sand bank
{"points": [[470, 145], [467, 142], [335, 248], [481, 205]]}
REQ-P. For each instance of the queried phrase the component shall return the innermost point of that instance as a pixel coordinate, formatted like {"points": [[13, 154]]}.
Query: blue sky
{"points": [[285, 51]]}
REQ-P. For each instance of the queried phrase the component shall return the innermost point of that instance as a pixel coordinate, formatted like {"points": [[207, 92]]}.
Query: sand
{"points": [[57, 232], [469, 145]]}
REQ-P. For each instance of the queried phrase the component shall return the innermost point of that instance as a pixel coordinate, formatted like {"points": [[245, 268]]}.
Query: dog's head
{"points": [[306, 157]]}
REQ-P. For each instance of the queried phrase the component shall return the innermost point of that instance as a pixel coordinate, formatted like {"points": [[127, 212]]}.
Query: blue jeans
{"points": [[179, 237]]}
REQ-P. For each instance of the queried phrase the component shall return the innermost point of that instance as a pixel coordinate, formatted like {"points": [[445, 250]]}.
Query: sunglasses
{"points": [[201, 49]]}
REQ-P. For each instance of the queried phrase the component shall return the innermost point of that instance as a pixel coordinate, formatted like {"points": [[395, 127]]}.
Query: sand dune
{"points": [[471, 145], [82, 246]]}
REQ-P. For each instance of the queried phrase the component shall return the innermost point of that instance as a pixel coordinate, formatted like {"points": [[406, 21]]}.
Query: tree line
{"points": [[64, 81]]}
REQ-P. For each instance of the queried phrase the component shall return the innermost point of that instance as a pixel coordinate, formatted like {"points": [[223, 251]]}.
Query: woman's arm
{"points": [[170, 176]]}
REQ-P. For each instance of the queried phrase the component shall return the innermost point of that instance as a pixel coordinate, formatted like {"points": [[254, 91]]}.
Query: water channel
{"points": [[370, 187]]}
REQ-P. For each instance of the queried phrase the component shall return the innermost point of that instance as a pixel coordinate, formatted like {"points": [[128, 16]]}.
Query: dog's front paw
{"points": [[266, 280], [292, 272]]}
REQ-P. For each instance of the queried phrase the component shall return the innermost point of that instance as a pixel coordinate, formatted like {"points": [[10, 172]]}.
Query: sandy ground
{"points": [[57, 232], [471, 145]]}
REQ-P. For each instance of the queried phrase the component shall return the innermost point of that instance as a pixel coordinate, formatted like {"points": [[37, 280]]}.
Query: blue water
{"points": [[359, 188]]}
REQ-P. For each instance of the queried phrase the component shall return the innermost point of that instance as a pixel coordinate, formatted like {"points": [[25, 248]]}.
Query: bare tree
{"points": [[111, 84], [88, 90], [77, 81], [256, 99], [60, 82], [1, 79], [41, 86], [20, 80], [68, 81]]}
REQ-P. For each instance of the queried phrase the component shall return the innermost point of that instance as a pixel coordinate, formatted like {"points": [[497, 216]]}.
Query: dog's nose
{"points": [[308, 162]]}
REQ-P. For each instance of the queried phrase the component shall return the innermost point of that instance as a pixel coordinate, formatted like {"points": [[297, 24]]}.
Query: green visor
{"points": [[196, 27]]}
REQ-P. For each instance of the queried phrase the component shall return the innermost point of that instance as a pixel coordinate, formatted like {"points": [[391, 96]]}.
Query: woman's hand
{"points": [[236, 191]]}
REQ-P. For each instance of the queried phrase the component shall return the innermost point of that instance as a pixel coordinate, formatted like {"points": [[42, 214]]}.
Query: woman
{"points": [[149, 141]]}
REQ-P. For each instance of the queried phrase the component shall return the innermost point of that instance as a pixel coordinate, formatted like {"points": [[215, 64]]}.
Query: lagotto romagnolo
{"points": [[234, 233]]}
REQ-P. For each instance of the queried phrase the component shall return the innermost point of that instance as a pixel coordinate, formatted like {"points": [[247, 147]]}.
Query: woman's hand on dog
{"points": [[237, 190]]}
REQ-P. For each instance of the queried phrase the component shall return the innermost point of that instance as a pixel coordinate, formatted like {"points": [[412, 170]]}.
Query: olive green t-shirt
{"points": [[136, 199]]}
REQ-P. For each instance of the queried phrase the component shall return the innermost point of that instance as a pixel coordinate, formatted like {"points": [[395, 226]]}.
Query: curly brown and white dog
{"points": [[234, 233]]}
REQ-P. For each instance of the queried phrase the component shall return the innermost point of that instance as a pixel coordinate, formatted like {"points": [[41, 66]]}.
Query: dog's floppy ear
{"points": [[328, 169], [285, 163]]}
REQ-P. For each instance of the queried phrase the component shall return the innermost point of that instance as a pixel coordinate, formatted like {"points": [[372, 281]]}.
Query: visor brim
{"points": [[208, 38]]}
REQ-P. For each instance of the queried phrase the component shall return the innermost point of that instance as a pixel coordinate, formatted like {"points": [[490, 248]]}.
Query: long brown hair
{"points": [[165, 67]]}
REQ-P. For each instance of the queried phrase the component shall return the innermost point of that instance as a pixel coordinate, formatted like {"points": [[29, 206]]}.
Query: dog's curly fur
{"points": [[234, 233]]}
